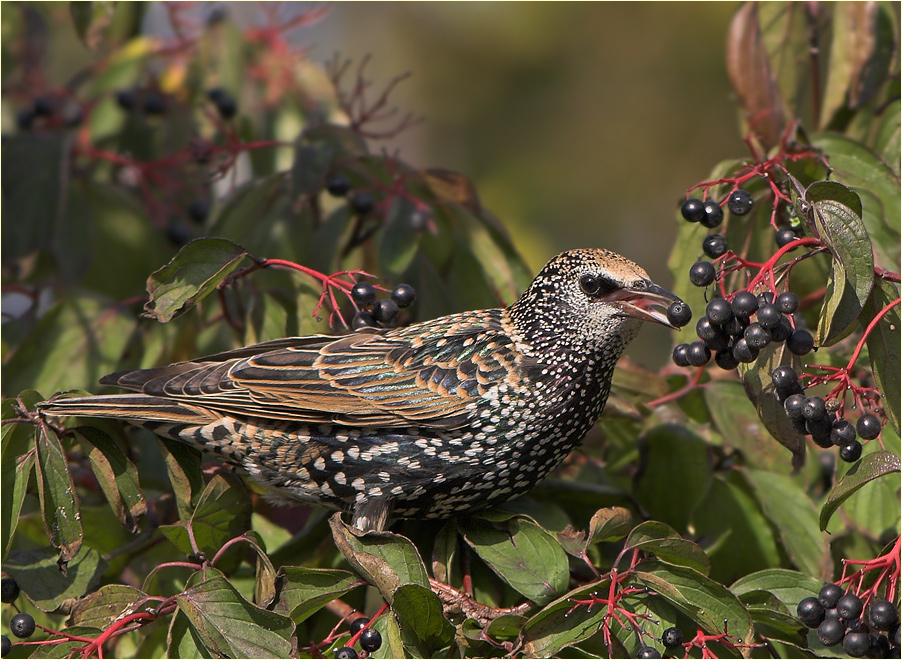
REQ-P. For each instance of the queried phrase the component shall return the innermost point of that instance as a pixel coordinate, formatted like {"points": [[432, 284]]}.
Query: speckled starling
{"points": [[429, 420]]}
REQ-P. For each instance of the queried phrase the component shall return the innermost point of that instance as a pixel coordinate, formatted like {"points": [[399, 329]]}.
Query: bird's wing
{"points": [[422, 375]]}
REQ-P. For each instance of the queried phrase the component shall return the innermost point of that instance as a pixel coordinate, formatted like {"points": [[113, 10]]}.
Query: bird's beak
{"points": [[645, 303]]}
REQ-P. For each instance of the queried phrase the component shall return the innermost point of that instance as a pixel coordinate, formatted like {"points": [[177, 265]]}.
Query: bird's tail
{"points": [[135, 408]]}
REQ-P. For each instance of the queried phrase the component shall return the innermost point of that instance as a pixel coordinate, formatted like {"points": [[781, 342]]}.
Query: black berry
{"points": [[693, 209], [800, 342], [370, 640], [756, 336], [385, 310], [679, 314], [782, 331], [363, 319], [714, 245], [42, 107], [842, 432], [403, 295], [745, 303], [672, 638], [769, 316], [882, 615], [362, 203], [699, 354], [702, 273], [178, 233], [831, 631], [725, 359], [849, 606], [227, 107], [814, 408], [785, 237], [810, 612], [765, 298], [363, 294], [850, 452], [9, 590], [357, 625], [856, 644], [739, 202], [713, 215], [793, 407], [819, 430], [880, 647], [154, 104], [719, 311], [346, 653], [681, 355], [784, 377], [829, 595], [338, 185], [895, 637], [737, 326], [648, 652], [787, 302], [126, 99], [22, 625], [868, 426], [198, 210], [743, 352], [6, 647]]}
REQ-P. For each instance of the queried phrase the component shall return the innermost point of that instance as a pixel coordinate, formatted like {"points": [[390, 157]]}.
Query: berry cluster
{"points": [[370, 640], [811, 415], [362, 202], [728, 332], [225, 103], [22, 625], [150, 102], [379, 313], [840, 617], [710, 214]]}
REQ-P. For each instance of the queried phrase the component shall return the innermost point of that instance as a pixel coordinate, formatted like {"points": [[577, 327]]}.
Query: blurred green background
{"points": [[581, 124]]}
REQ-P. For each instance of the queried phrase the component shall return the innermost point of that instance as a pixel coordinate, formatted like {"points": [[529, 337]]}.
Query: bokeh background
{"points": [[581, 124]]}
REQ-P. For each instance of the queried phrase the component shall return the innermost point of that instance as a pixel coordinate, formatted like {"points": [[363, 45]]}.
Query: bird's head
{"points": [[589, 300]]}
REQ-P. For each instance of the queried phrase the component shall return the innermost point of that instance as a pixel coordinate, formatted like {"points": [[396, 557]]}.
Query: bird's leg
{"points": [[371, 515]]}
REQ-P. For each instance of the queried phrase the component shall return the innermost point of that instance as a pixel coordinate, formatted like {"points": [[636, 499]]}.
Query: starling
{"points": [[430, 420]]}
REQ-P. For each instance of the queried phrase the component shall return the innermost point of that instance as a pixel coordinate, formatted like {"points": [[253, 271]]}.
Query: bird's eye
{"points": [[596, 285], [589, 284]]}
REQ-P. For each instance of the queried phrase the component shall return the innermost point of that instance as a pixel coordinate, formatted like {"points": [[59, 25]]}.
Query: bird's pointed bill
{"points": [[646, 303]]}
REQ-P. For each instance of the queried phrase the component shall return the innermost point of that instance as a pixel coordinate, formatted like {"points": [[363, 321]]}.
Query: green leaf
{"points": [[420, 617], [784, 33], [81, 333], [523, 554], [399, 240], [222, 513], [445, 560], [183, 641], [192, 275], [35, 182], [791, 511], [383, 559], [183, 469], [883, 347], [304, 591], [836, 211], [703, 600], [789, 587], [116, 474], [106, 605], [264, 572], [56, 491], [667, 545], [254, 216], [230, 626], [50, 585], [17, 465], [773, 619], [887, 141], [675, 473], [610, 524], [872, 466], [751, 76], [392, 643], [759, 387]]}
